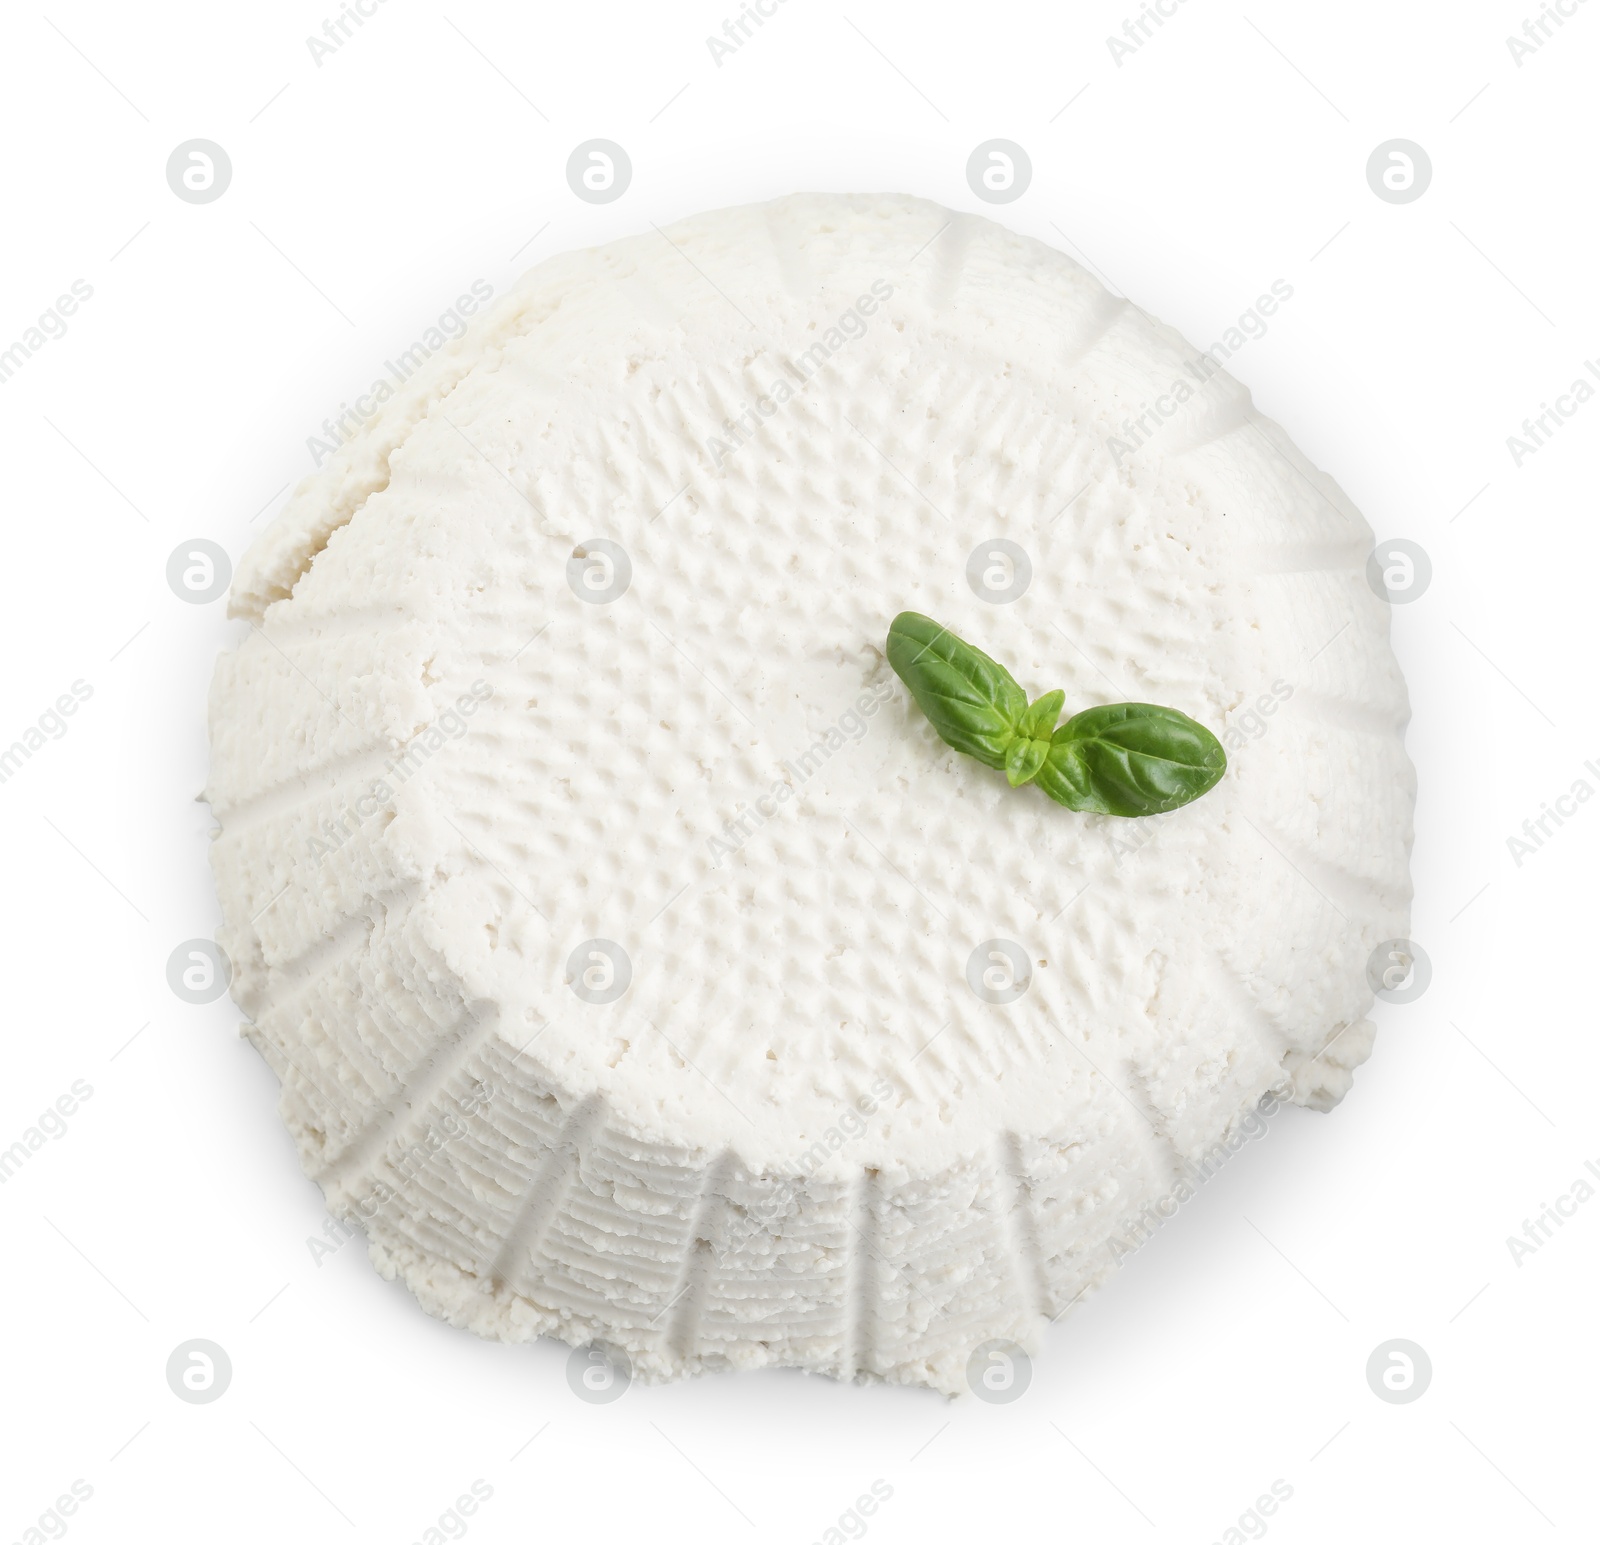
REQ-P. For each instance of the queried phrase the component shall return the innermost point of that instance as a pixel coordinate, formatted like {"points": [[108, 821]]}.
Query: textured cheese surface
{"points": [[581, 639]]}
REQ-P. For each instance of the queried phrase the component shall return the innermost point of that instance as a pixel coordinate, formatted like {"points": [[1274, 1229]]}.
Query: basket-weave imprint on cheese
{"points": [[639, 965]]}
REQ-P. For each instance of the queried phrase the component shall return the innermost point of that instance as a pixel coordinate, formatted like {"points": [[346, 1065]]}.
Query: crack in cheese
{"points": [[580, 639]]}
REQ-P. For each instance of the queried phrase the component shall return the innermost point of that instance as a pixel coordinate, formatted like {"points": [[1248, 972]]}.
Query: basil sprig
{"points": [[1125, 759]]}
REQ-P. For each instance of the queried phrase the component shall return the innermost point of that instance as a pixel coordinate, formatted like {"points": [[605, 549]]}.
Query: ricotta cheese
{"points": [[640, 967]]}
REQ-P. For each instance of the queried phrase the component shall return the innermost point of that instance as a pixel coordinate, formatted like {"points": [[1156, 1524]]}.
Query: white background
{"points": [[370, 191]]}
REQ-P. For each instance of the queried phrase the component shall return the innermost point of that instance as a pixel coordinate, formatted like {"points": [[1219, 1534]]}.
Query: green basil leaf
{"points": [[1065, 778], [1041, 716], [1024, 759], [1131, 759], [1124, 759], [972, 701]]}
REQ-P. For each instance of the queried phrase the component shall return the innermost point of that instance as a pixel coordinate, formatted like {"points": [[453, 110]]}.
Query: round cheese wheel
{"points": [[640, 967]]}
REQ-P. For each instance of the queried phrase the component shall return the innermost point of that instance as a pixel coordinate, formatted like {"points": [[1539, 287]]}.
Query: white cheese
{"points": [[444, 762]]}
